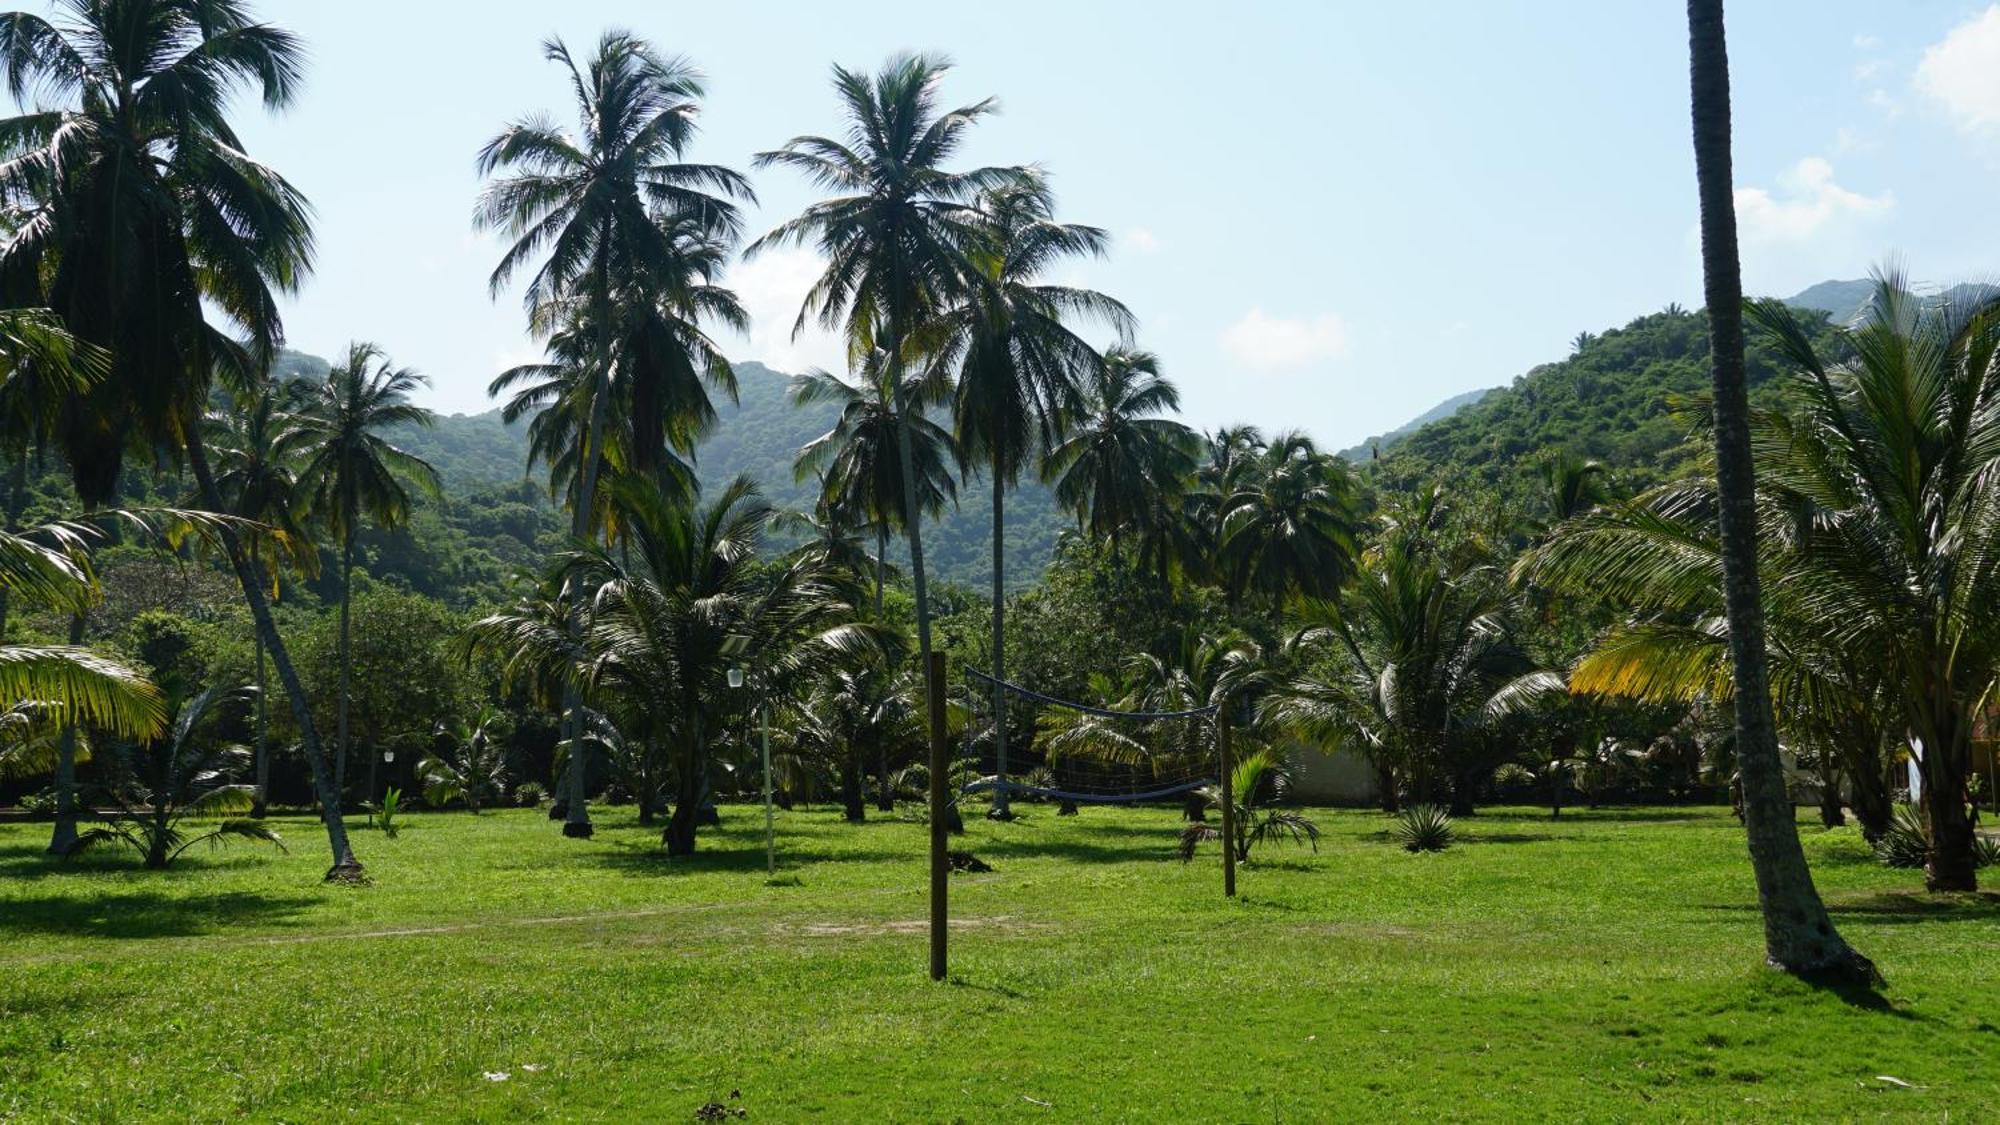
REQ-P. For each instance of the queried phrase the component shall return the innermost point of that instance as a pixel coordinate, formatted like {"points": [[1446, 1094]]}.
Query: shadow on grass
{"points": [[1897, 908], [147, 914]]}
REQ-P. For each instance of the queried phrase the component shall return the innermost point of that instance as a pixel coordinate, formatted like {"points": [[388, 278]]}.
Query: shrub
{"points": [[1906, 841], [530, 795], [1423, 828]]}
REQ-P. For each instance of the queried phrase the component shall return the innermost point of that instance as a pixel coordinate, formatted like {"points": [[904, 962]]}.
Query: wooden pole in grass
{"points": [[940, 810], [1228, 803]]}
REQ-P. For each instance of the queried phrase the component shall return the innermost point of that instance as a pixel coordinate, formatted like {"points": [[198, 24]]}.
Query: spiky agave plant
{"points": [[1258, 781], [1423, 828], [183, 776]]}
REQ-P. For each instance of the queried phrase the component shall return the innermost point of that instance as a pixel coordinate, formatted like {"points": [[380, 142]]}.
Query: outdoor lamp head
{"points": [[736, 677]]}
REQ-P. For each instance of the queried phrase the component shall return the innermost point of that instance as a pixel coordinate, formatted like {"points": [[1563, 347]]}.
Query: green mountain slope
{"points": [[1367, 449], [757, 436], [1613, 400]]}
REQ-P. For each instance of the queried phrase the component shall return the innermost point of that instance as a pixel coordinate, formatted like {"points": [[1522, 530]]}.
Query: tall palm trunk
{"points": [[346, 666], [63, 837], [345, 866], [576, 824], [1000, 809], [1798, 935], [913, 517], [881, 565]]}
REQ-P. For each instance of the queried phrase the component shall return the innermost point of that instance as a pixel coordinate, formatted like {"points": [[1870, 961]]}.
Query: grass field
{"points": [[1602, 966]]}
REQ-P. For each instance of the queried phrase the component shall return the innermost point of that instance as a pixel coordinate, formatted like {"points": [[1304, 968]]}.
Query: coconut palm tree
{"points": [[608, 209], [1120, 457], [897, 238], [148, 214], [1425, 633], [861, 462], [869, 712], [185, 774], [256, 443], [1020, 363], [659, 637], [1798, 934], [42, 367], [1291, 525], [351, 473], [49, 686]]}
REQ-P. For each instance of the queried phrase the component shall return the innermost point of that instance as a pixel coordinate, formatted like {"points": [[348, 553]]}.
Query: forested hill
{"points": [[758, 436], [1610, 400]]}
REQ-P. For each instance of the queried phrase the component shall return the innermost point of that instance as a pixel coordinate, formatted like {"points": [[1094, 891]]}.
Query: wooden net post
{"points": [[940, 811]]}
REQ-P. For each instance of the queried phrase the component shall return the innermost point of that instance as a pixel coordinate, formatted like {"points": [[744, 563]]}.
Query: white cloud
{"points": [[1867, 42], [771, 287], [1139, 240], [1867, 70], [1962, 72], [1808, 206], [1271, 343]]}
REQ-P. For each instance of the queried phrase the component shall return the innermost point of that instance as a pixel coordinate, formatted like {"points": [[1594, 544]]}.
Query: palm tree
{"points": [[351, 474], [862, 461], [1291, 524], [147, 214], [41, 367], [609, 209], [1020, 365], [869, 712], [1258, 780], [256, 443], [659, 637], [1424, 629], [1798, 934], [64, 684], [897, 241], [1119, 456], [185, 774]]}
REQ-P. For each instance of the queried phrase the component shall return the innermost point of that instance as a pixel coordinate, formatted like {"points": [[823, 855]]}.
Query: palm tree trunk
{"points": [[340, 721], [345, 866], [261, 797], [1000, 809], [680, 834], [852, 806], [913, 518], [63, 837], [17, 501], [1949, 863], [260, 802], [1798, 934], [881, 565], [577, 823]]}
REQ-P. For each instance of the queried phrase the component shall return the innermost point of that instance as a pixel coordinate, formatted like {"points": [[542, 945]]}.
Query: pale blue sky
{"points": [[1328, 215]]}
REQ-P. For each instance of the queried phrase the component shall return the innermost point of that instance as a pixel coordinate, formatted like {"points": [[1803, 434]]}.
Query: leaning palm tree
{"points": [[257, 442], [606, 209], [896, 238], [351, 473], [1120, 457], [1798, 933], [1020, 361], [148, 215]]}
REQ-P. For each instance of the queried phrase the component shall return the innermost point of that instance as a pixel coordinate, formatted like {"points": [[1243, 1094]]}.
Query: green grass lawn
{"points": [[1602, 966]]}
